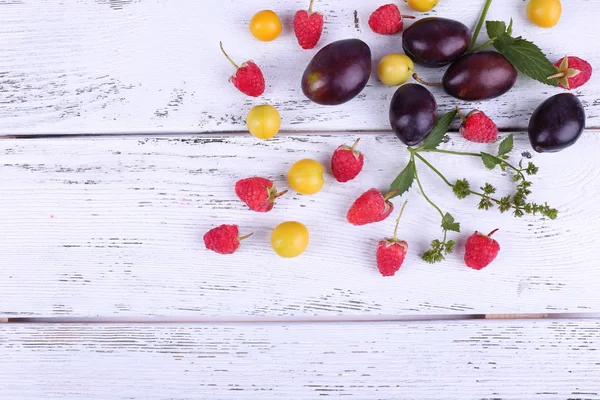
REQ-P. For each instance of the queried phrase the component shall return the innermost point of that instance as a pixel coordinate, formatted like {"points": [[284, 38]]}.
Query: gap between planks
{"points": [[278, 320], [153, 134]]}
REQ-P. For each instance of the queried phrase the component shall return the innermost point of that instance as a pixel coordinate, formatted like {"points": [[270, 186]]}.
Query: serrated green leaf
{"points": [[509, 30], [506, 145], [404, 180], [448, 223], [435, 137], [495, 29], [527, 58], [489, 160]]}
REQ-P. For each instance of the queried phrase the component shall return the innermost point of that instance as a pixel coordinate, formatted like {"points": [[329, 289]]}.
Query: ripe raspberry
{"points": [[478, 127], [346, 162], [224, 239], [391, 252], [258, 193], [480, 250], [308, 26], [370, 207], [572, 72], [386, 20], [248, 78]]}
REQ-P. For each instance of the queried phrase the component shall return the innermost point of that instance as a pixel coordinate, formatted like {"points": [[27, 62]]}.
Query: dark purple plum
{"points": [[338, 72], [434, 42], [479, 76], [413, 112], [557, 123]]}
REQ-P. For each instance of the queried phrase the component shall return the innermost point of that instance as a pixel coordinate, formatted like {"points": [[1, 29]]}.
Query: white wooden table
{"points": [[122, 140]]}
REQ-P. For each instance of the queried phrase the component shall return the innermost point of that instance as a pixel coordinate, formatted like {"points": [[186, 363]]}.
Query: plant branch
{"points": [[420, 157], [456, 153], [425, 195], [486, 8], [484, 45]]}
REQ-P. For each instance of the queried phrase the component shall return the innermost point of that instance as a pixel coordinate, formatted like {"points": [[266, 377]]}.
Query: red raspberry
{"points": [[346, 162], [258, 193], [224, 239], [478, 127], [481, 250], [386, 20], [391, 252], [248, 78], [572, 72], [308, 26], [370, 207]]}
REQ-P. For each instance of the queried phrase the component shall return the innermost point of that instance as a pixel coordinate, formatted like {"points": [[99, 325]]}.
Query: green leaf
{"points": [[448, 223], [435, 137], [495, 29], [527, 58], [404, 180], [506, 146], [510, 27], [489, 160]]}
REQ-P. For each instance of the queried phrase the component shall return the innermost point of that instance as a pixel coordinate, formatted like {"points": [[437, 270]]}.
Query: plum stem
{"points": [[418, 79], [398, 221], [226, 55], [409, 16], [486, 8]]}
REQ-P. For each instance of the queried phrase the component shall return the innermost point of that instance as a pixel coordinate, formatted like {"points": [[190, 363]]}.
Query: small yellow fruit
{"points": [[265, 25], [289, 239], [422, 5], [395, 69], [263, 121], [544, 13], [306, 176]]}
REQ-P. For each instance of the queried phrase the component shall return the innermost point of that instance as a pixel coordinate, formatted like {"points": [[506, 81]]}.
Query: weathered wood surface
{"points": [[464, 360], [113, 227], [123, 66]]}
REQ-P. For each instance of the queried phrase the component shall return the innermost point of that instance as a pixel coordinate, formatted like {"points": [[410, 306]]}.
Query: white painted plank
{"points": [[141, 66], [467, 360], [113, 227]]}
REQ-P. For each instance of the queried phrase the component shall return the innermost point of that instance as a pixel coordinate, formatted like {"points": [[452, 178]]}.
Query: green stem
{"points": [[434, 169], [398, 220], [427, 198], [245, 236], [447, 182], [486, 8], [456, 153], [484, 45], [422, 82], [462, 153], [227, 55]]}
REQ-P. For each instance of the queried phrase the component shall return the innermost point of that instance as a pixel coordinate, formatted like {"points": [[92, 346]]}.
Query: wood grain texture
{"points": [[113, 227], [123, 66], [471, 360]]}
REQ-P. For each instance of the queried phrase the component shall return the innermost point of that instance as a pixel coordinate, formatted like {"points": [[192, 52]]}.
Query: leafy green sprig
{"points": [[528, 58], [517, 202]]}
